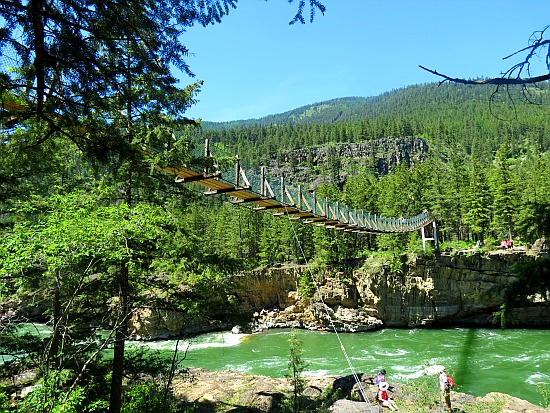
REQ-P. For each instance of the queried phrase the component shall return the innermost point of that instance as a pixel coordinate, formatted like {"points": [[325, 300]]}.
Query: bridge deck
{"points": [[314, 212]]}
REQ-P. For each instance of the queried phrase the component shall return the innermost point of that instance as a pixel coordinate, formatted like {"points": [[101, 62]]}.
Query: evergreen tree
{"points": [[504, 199], [477, 202], [534, 214], [296, 368]]}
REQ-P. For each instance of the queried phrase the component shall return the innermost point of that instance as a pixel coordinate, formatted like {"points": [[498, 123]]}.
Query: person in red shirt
{"points": [[383, 397]]}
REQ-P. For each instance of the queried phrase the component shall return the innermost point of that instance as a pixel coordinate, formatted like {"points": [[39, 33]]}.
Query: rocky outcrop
{"points": [[464, 288], [383, 155], [461, 289], [238, 392], [154, 324]]}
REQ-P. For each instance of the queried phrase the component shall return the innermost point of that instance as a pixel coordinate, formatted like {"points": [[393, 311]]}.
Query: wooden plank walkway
{"points": [[310, 211]]}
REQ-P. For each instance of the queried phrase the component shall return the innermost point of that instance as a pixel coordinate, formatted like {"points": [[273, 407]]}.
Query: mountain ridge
{"points": [[357, 108]]}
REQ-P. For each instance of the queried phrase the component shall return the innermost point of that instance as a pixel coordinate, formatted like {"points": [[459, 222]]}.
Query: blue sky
{"points": [[255, 64]]}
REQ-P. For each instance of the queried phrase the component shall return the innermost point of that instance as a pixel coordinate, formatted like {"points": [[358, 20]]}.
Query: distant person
{"points": [[478, 245], [445, 386], [383, 398], [380, 377]]}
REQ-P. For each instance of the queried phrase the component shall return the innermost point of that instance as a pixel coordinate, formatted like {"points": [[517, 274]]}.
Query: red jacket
{"points": [[382, 395]]}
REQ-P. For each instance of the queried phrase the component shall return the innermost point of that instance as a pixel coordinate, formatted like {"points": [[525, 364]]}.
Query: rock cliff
{"points": [[382, 155], [465, 288]]}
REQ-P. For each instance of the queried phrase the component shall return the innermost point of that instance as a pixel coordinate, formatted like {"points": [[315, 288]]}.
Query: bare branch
{"points": [[493, 81]]}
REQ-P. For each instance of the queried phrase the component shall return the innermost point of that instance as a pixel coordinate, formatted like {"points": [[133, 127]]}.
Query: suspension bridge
{"points": [[297, 203]]}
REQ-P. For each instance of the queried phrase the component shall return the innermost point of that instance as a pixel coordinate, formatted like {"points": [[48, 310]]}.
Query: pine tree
{"points": [[504, 199], [477, 202], [296, 368]]}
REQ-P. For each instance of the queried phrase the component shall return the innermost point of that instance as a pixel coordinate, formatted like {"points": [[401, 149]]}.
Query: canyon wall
{"points": [[459, 289], [462, 289]]}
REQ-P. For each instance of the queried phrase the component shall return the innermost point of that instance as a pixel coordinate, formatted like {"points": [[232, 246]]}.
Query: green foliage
{"points": [[52, 394], [494, 406], [393, 261], [544, 390], [148, 398], [296, 367], [504, 197], [477, 202], [306, 285], [4, 400], [423, 393], [396, 265], [156, 364]]}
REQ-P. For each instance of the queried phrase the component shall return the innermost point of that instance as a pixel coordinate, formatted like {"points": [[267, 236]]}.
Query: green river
{"points": [[481, 360], [509, 361]]}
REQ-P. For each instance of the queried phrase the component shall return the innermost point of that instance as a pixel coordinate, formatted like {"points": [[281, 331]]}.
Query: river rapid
{"points": [[511, 361], [480, 360]]}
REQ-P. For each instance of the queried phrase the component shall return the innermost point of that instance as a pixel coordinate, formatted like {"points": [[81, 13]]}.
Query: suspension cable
{"points": [[325, 307]]}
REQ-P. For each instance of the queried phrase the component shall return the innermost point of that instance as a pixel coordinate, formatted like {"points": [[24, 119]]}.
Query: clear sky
{"points": [[255, 64]]}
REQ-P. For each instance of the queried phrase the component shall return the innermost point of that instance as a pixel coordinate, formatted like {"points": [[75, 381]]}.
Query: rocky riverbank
{"points": [[228, 391]]}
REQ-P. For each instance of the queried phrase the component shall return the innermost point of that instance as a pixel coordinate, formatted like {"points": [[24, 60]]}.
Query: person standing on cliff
{"points": [[445, 388]]}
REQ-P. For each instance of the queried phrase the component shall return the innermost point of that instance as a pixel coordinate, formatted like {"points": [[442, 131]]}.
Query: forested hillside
{"points": [[486, 174], [474, 118]]}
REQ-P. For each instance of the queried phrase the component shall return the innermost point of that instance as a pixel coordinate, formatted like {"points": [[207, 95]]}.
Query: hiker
{"points": [[445, 386], [380, 377], [383, 397]]}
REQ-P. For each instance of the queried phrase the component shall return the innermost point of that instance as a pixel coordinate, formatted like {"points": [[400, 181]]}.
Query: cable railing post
{"points": [[282, 189], [206, 153], [314, 203], [237, 170], [262, 182]]}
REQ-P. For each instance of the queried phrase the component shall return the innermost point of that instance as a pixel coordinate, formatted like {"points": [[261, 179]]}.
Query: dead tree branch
{"points": [[493, 81]]}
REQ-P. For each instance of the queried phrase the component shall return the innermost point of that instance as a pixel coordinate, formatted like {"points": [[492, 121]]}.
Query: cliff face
{"points": [[462, 289], [383, 155]]}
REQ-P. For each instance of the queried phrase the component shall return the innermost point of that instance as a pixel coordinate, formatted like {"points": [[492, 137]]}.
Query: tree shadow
{"points": [[464, 359]]}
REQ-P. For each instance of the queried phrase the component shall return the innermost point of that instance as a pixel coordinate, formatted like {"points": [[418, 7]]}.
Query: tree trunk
{"points": [[115, 402], [53, 356]]}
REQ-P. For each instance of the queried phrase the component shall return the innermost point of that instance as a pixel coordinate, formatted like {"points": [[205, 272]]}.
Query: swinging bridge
{"points": [[303, 205]]}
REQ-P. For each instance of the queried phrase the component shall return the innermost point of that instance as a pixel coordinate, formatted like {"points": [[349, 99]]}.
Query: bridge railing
{"points": [[300, 204]]}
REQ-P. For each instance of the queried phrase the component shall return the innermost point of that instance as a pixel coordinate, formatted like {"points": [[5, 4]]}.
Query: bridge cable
{"points": [[325, 307]]}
